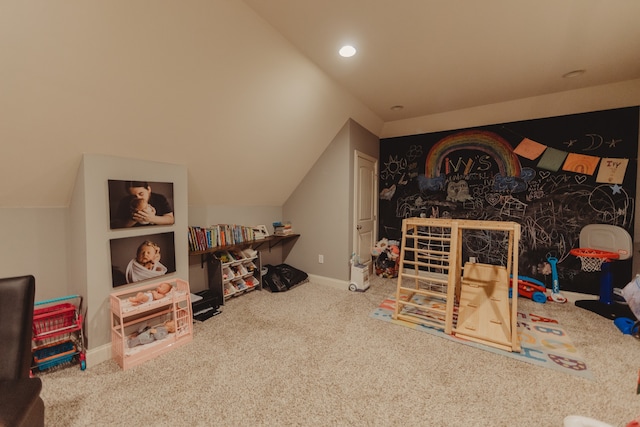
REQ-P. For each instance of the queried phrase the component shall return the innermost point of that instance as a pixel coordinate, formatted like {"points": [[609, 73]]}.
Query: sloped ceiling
{"points": [[208, 85], [433, 56], [248, 94]]}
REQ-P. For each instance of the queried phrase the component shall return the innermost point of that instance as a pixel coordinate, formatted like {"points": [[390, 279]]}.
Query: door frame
{"points": [[374, 197]]}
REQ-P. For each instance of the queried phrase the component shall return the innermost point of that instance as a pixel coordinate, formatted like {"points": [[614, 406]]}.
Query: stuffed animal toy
{"points": [[395, 251], [380, 247], [387, 253]]}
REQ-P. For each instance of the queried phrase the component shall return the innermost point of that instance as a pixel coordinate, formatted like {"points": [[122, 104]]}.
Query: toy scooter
{"points": [[555, 296]]}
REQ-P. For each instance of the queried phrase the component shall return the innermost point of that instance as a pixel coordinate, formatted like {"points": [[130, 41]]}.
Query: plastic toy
{"points": [[555, 290], [636, 422], [359, 276], [532, 289], [627, 326], [600, 246], [58, 337]]}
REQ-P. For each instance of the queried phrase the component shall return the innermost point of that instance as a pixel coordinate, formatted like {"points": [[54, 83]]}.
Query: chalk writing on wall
{"points": [[553, 176]]}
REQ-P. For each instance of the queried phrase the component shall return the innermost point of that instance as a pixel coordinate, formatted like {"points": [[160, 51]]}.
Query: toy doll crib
{"points": [[600, 245]]}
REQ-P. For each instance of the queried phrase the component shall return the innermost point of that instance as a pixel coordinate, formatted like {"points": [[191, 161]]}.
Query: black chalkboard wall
{"points": [[475, 174]]}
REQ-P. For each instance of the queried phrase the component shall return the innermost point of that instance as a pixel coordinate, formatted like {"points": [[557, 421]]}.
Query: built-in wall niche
{"points": [[552, 175]]}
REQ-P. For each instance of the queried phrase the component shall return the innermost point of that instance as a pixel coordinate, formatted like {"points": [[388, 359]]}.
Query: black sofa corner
{"points": [[20, 401]]}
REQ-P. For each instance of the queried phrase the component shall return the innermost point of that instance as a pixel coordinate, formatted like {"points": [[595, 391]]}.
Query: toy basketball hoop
{"points": [[600, 245], [592, 259]]}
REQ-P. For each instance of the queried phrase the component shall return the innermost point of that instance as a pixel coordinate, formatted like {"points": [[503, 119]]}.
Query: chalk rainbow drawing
{"points": [[487, 142]]}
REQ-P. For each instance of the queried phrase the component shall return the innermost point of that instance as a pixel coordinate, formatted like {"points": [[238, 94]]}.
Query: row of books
{"points": [[203, 238]]}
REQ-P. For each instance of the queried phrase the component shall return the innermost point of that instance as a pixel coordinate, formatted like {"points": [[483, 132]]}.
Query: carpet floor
{"points": [[313, 356], [543, 340]]}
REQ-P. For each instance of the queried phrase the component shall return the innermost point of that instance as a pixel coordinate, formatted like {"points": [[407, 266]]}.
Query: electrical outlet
{"points": [[320, 259], [472, 259]]}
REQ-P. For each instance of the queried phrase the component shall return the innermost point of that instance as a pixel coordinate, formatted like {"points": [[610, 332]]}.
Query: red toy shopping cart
{"points": [[57, 333]]}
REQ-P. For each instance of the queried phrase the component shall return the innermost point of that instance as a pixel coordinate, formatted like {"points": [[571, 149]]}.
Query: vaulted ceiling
{"points": [[247, 94], [431, 56]]}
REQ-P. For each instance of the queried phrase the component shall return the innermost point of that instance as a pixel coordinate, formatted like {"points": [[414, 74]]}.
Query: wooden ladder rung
{"points": [[424, 264], [431, 262], [421, 321], [426, 252], [424, 292], [428, 237], [425, 278], [425, 308]]}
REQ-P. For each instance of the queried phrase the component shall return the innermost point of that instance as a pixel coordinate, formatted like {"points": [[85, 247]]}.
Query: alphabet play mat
{"points": [[544, 342]]}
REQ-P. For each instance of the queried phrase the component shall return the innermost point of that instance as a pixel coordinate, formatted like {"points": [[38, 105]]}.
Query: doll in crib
{"points": [[146, 335], [151, 295]]}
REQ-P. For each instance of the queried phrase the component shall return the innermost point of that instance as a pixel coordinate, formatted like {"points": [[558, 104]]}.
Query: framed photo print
{"points": [[138, 258], [140, 203]]}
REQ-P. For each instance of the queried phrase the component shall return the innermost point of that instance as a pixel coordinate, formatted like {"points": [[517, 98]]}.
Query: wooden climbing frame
{"points": [[435, 289]]}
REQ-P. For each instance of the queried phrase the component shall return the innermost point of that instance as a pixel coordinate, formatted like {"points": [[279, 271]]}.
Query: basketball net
{"points": [[592, 259], [591, 264]]}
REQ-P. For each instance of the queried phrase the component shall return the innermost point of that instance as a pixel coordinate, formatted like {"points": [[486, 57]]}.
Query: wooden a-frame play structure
{"points": [[470, 301]]}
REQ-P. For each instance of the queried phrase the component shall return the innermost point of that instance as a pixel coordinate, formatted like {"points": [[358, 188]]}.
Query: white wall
{"points": [[90, 231], [208, 84], [34, 241], [321, 206], [319, 210]]}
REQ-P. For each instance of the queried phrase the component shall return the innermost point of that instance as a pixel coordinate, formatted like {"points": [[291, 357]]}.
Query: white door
{"points": [[365, 206]]}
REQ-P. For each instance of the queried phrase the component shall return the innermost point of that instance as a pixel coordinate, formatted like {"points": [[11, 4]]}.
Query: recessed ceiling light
{"points": [[574, 73], [347, 51], [397, 108]]}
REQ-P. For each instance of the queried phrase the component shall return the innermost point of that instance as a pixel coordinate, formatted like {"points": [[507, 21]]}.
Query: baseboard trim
{"points": [[98, 355], [343, 285]]}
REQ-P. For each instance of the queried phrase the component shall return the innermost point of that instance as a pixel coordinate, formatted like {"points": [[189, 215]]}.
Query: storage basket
{"points": [[54, 355], [52, 319]]}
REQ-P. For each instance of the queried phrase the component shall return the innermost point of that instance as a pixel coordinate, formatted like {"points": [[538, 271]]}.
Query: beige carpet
{"points": [[314, 357]]}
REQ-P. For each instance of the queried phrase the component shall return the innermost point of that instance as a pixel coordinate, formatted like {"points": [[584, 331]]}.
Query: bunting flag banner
{"points": [[529, 149], [552, 159], [581, 163], [611, 171]]}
